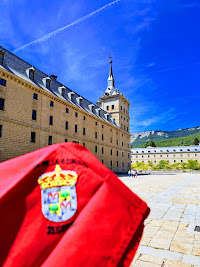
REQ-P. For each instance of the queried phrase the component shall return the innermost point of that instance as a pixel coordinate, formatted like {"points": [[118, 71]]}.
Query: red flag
{"points": [[60, 206]]}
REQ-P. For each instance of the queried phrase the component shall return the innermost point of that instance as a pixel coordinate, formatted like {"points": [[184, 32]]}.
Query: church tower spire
{"points": [[111, 82]]}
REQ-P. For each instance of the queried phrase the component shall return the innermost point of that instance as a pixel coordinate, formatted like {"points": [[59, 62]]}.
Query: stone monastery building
{"points": [[36, 110]]}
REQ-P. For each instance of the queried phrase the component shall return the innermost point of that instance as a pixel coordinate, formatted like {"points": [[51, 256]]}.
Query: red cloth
{"points": [[107, 225]]}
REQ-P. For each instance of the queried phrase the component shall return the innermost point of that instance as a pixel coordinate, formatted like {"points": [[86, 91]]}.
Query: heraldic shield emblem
{"points": [[59, 201]]}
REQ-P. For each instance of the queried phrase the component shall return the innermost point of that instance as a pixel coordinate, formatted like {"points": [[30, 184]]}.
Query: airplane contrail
{"points": [[178, 67], [50, 35]]}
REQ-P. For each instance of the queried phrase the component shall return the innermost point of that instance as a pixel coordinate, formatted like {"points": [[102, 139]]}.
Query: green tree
{"points": [[193, 165], [196, 141], [150, 143]]}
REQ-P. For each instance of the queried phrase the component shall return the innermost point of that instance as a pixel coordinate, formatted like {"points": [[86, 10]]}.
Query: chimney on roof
{"points": [[2, 53], [54, 77]]}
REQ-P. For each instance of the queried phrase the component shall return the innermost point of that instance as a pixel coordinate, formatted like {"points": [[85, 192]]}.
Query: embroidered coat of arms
{"points": [[59, 201]]}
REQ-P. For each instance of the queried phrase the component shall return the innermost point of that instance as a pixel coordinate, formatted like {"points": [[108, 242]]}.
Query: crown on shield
{"points": [[57, 178]]}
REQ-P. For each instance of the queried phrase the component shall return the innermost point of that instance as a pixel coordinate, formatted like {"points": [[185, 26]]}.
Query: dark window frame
{"points": [[2, 104], [50, 120], [33, 137], [2, 82], [35, 96], [34, 114], [50, 140]]}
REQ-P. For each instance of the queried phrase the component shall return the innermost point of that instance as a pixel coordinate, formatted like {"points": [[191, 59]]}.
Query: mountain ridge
{"points": [[141, 138]]}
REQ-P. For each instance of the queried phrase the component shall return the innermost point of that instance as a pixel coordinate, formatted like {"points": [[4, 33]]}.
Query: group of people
{"points": [[132, 173]]}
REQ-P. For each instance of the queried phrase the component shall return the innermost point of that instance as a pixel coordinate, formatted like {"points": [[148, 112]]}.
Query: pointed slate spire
{"points": [[111, 82], [111, 73]]}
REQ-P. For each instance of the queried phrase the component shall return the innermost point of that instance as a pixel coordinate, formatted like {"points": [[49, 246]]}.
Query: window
{"points": [[34, 115], [95, 134], [117, 153], [122, 154], [102, 126], [3, 82], [174, 160], [107, 108], [149, 156], [83, 144], [167, 156], [2, 103], [111, 139], [66, 125], [113, 106], [121, 107], [111, 163], [51, 120], [31, 75], [76, 128], [33, 137], [117, 142], [35, 96], [127, 129], [154, 156], [84, 118], [181, 155], [51, 104], [188, 155], [102, 150], [161, 156], [95, 122], [102, 161], [83, 131], [1, 130], [136, 157], [122, 143], [67, 110], [48, 84], [122, 164], [76, 114], [117, 163], [66, 140], [181, 160], [111, 152], [142, 156], [95, 148], [128, 155], [174, 155], [50, 141], [102, 137], [195, 155], [154, 161]]}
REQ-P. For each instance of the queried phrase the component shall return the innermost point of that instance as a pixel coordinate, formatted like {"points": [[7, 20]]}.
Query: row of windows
{"points": [[158, 161], [124, 127], [76, 130], [50, 141], [181, 155], [174, 150], [112, 107], [124, 118]]}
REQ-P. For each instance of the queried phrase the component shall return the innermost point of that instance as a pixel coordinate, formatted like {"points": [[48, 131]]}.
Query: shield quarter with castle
{"points": [[59, 201]]}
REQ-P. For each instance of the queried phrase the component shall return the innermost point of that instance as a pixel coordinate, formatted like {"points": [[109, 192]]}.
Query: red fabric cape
{"points": [[106, 228]]}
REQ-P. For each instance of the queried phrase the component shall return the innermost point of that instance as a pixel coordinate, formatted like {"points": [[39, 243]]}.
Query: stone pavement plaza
{"points": [[169, 238]]}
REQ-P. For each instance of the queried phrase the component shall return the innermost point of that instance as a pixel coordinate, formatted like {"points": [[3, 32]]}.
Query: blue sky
{"points": [[155, 47]]}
